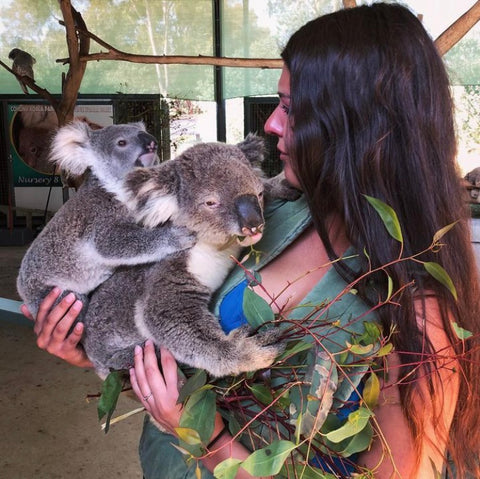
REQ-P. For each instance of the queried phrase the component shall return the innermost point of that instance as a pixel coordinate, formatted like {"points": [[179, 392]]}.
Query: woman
{"points": [[364, 109]]}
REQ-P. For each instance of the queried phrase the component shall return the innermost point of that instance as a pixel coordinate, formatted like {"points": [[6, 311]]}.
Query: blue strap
{"points": [[231, 308]]}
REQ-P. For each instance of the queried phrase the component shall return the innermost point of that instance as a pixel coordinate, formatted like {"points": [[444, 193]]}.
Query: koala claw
{"points": [[255, 352], [269, 337]]}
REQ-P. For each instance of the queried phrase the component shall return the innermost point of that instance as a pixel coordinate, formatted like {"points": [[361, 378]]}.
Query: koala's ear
{"points": [[149, 194], [70, 148], [139, 124], [253, 147]]}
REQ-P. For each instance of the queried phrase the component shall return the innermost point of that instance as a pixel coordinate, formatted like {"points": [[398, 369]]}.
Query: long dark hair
{"points": [[371, 113]]}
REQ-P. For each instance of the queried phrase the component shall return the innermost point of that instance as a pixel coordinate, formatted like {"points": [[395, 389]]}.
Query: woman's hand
{"points": [[52, 326], [158, 391]]}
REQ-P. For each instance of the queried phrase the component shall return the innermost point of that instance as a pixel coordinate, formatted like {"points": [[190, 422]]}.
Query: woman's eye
{"points": [[285, 109]]}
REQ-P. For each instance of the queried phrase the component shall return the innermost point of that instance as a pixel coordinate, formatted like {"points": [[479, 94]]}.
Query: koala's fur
{"points": [[93, 233], [213, 190]]}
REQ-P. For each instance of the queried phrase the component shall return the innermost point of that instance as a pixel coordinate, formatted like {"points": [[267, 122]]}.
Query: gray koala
{"points": [[213, 190], [93, 232]]}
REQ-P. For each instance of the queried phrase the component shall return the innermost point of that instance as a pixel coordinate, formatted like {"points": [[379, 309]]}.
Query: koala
{"points": [[212, 190], [472, 183], [33, 144], [94, 232], [473, 177]]}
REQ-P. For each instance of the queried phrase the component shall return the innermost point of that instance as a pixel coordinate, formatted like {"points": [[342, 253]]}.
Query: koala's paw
{"points": [[256, 351], [279, 187], [181, 238]]}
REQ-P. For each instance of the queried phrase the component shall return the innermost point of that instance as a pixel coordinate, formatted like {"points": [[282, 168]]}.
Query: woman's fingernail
{"points": [[138, 349], [70, 297], [77, 305]]}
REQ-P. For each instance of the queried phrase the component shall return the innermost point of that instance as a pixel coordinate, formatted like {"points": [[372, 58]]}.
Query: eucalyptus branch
{"points": [[255, 418]]}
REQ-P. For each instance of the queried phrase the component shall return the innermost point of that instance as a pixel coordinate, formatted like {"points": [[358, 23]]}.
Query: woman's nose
{"points": [[274, 124]]}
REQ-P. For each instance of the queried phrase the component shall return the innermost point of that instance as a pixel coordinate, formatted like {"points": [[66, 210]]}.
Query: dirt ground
{"points": [[48, 428]]}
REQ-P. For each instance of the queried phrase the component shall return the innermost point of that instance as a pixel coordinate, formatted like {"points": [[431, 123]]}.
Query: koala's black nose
{"points": [[250, 215], [149, 141]]}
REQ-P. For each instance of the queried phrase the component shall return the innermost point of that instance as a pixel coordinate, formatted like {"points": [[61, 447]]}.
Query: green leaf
{"points": [[390, 288], [359, 349], [372, 330], [460, 332], [199, 413], [371, 391], [435, 270], [194, 383], [356, 421], [256, 309], [388, 216], [188, 435], [227, 469], [384, 350], [305, 471], [262, 393], [111, 389], [441, 232], [269, 460], [294, 347], [359, 442]]}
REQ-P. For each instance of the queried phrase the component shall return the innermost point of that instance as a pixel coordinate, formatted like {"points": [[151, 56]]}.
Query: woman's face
{"points": [[278, 124]]}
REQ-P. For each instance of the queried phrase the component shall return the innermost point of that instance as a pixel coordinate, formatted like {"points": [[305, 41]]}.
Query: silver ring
{"points": [[147, 397]]}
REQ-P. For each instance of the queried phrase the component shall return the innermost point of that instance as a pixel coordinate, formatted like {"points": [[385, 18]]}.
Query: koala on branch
{"points": [[214, 191], [94, 233]]}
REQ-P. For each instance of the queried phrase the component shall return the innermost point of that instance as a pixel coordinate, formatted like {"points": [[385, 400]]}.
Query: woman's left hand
{"points": [[157, 390]]}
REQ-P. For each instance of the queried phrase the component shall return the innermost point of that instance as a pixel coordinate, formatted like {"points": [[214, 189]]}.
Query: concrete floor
{"points": [[48, 429]]}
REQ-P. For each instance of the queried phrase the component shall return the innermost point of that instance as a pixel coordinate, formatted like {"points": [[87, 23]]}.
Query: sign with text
{"points": [[31, 127]]}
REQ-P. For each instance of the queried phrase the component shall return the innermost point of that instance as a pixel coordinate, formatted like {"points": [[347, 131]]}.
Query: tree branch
{"points": [[78, 45], [458, 29], [114, 54], [33, 86]]}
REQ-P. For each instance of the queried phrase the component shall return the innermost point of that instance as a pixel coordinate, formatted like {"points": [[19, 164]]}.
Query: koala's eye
{"points": [[211, 203], [121, 143]]}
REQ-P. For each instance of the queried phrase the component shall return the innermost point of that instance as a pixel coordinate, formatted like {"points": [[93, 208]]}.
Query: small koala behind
{"points": [[93, 232], [213, 191]]}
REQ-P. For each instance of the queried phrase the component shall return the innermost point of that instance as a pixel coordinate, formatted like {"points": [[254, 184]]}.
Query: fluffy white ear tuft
{"points": [[150, 205], [70, 148], [159, 210]]}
